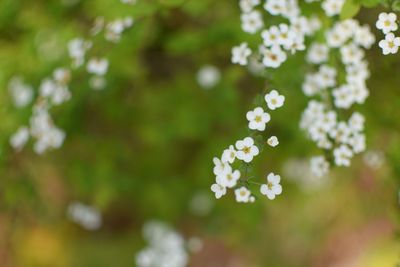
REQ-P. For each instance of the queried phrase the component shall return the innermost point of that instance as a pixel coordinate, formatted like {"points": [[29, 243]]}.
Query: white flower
{"points": [[62, 76], [272, 188], [364, 37], [274, 100], [273, 141], [357, 142], [387, 22], [343, 96], [272, 57], [97, 66], [252, 21], [21, 93], [208, 76], [246, 149], [326, 76], [311, 84], [271, 36], [240, 54], [229, 155], [258, 119], [19, 139], [248, 5], [342, 155], [390, 45], [351, 54], [318, 53], [86, 216], [218, 190], [77, 49], [228, 179], [242, 194], [115, 28], [56, 92], [332, 7], [319, 166], [356, 122], [276, 7], [221, 166], [287, 36], [341, 133]]}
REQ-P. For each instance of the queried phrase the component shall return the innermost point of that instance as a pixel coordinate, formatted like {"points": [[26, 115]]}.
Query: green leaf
{"points": [[350, 9]]}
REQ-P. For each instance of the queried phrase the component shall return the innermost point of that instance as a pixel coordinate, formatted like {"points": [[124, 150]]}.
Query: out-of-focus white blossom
{"points": [[86, 216], [21, 93], [208, 76], [19, 138], [166, 247]]}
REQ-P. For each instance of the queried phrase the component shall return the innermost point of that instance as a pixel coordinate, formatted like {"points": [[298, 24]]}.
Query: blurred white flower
{"points": [[97, 66], [166, 247], [86, 216], [240, 54], [208, 76], [19, 138], [21, 93]]}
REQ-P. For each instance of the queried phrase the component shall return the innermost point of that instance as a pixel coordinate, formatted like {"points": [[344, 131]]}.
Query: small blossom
{"points": [[229, 155], [390, 45], [246, 149], [273, 57], [218, 190], [19, 139], [242, 194], [228, 179], [319, 166], [21, 93], [258, 119], [273, 141], [97, 66], [208, 76], [252, 21], [274, 100], [240, 54], [221, 167], [342, 154], [273, 187], [387, 22]]}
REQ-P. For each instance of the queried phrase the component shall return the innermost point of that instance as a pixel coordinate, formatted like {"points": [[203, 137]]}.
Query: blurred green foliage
{"points": [[143, 147]]}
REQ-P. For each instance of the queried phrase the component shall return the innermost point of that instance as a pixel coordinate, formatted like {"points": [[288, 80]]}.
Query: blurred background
{"points": [[141, 149]]}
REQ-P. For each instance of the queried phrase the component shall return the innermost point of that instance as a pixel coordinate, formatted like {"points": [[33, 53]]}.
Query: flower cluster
{"points": [[166, 247], [54, 90], [321, 119], [245, 150], [276, 41], [387, 23], [86, 216]]}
